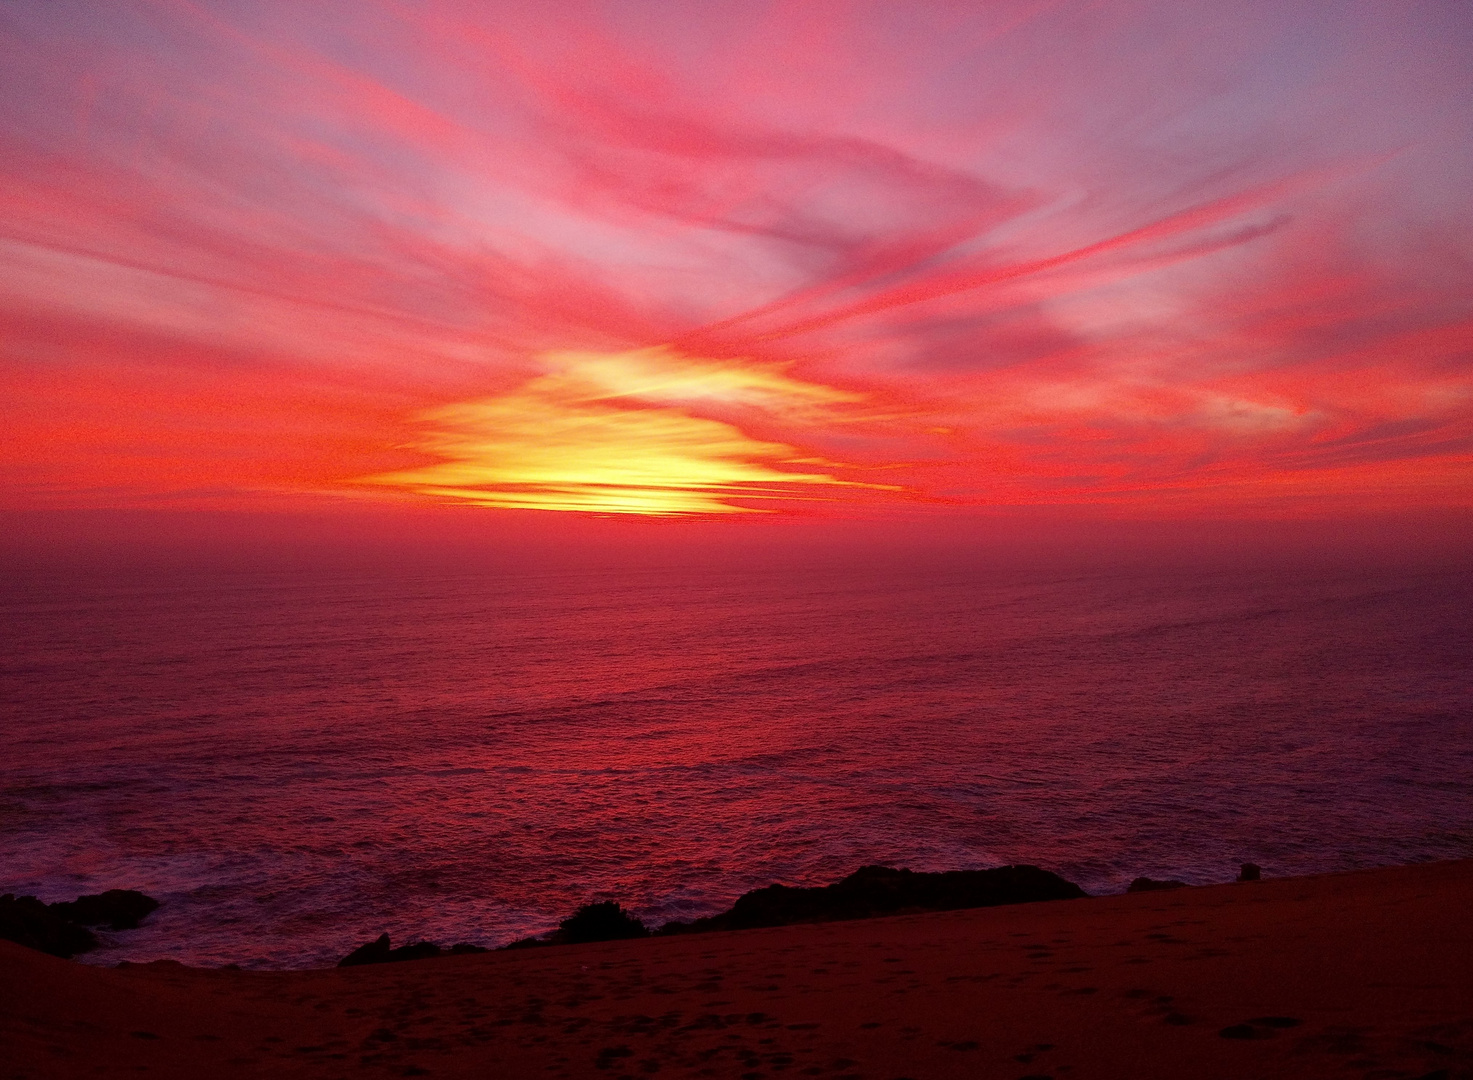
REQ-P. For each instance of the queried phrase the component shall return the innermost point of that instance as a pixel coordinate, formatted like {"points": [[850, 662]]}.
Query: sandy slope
{"points": [[1376, 967]]}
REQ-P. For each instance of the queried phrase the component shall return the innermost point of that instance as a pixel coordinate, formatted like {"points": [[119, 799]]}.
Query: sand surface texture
{"points": [[1364, 975]]}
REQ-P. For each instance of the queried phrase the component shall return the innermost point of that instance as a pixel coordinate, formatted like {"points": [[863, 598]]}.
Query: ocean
{"points": [[295, 762]]}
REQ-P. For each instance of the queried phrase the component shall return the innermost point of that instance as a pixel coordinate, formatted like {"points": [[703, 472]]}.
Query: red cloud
{"points": [[1064, 254]]}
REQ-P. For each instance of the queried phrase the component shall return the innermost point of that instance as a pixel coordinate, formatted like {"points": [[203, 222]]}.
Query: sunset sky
{"points": [[841, 260]]}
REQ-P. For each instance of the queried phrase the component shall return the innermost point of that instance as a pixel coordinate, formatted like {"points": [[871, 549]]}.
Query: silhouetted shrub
{"points": [[605, 921]]}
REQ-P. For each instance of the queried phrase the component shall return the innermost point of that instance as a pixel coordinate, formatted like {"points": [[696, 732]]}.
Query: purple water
{"points": [[294, 763]]}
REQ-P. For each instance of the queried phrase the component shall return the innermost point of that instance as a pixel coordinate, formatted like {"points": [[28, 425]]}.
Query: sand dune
{"points": [[1365, 975]]}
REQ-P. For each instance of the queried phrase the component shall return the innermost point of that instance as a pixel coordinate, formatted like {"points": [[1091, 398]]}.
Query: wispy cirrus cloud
{"points": [[1155, 255]]}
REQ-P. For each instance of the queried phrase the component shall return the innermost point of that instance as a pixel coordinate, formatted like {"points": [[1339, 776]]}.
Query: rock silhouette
{"points": [[1145, 884], [60, 928], [605, 921], [381, 951], [868, 892], [27, 921], [1250, 872], [116, 909], [881, 890]]}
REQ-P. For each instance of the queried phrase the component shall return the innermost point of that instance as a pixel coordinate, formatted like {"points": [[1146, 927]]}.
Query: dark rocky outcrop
{"points": [[380, 951], [868, 892], [1250, 872], [1145, 884], [605, 921], [116, 909], [27, 921], [880, 890]]}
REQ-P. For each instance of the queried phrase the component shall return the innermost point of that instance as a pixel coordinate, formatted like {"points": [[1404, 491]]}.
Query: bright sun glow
{"points": [[615, 433]]}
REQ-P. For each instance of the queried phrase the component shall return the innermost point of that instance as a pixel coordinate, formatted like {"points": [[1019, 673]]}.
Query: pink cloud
{"points": [[1146, 255]]}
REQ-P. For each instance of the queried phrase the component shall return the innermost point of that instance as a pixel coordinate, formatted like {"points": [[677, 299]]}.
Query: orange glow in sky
{"points": [[616, 434], [797, 258]]}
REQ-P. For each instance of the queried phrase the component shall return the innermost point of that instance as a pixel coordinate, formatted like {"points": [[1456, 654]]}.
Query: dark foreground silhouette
{"points": [[606, 921], [1333, 977], [60, 929], [381, 952], [880, 890], [868, 892]]}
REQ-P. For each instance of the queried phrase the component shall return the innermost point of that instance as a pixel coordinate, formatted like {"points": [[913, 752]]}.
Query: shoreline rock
{"points": [[116, 909], [605, 921], [869, 892], [60, 929], [27, 921], [381, 951], [873, 891]]}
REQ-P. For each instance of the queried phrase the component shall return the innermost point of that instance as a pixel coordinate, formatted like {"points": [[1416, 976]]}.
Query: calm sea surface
{"points": [[295, 763]]}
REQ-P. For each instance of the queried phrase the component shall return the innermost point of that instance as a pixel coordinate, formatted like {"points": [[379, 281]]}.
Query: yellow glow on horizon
{"points": [[615, 433]]}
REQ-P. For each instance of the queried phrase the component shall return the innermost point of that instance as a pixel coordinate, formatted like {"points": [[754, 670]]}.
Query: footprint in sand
{"points": [[1262, 1027]]}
